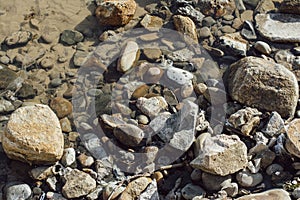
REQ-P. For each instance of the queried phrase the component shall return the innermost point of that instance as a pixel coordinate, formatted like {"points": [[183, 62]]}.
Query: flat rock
{"points": [[221, 155], [129, 55], [71, 37], [33, 135], [115, 13], [263, 84], [178, 76], [292, 143], [274, 194], [18, 38], [129, 134], [186, 26], [135, 188], [78, 184], [278, 27], [234, 44]]}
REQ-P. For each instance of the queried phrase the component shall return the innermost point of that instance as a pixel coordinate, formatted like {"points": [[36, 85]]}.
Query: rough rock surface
{"points": [[135, 188], [275, 194], [186, 26], [292, 143], [221, 155], [263, 84], [33, 135], [115, 13], [279, 27]]}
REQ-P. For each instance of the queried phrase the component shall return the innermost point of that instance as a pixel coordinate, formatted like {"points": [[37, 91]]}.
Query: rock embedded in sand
{"points": [[263, 84], [71, 37], [33, 135], [115, 13], [18, 38]]}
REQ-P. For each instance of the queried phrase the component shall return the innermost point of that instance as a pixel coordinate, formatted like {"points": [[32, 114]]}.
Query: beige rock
{"points": [[152, 22], [115, 13], [61, 106], [135, 188], [129, 55], [274, 194], [33, 135], [263, 84], [293, 138], [186, 26]]}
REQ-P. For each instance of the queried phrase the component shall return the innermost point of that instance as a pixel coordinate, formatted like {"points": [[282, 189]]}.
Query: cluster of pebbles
{"points": [[173, 100]]}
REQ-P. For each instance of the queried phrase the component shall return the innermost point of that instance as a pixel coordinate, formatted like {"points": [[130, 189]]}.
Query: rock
{"points": [[208, 21], [71, 37], [231, 189], [6, 106], [61, 106], [262, 47], [278, 194], [290, 6], [191, 12], [292, 143], [265, 6], [152, 106], [190, 191], [26, 91], [79, 57], [142, 119], [47, 61], [65, 125], [182, 55], [7, 77], [152, 22], [115, 13], [274, 126], [234, 44], [69, 157], [50, 34], [204, 32], [178, 76], [77, 184], [112, 190], [18, 38], [4, 59], [129, 134], [245, 120], [96, 194], [247, 15], [252, 3], [185, 26], [273, 168], [296, 193], [227, 29], [85, 161], [129, 55], [52, 182], [151, 192], [33, 135], [221, 155], [263, 84], [213, 182], [248, 31], [196, 175], [247, 179], [135, 188], [278, 27], [41, 173], [152, 54], [17, 191]]}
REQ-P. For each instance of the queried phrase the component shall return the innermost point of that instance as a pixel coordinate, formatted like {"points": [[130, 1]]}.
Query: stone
{"points": [[142, 119], [71, 37], [245, 120], [178, 76], [129, 55], [189, 191], [41, 173], [196, 175], [65, 125], [152, 106], [7, 78], [265, 6], [221, 155], [61, 106], [52, 182], [247, 15], [274, 168], [153, 74], [85, 161], [135, 188], [234, 44], [263, 84], [18, 38], [290, 6], [33, 135], [252, 3], [115, 13], [208, 21], [152, 54], [47, 61], [96, 194], [6, 106], [227, 29], [214, 182], [248, 31], [129, 135], [247, 179], [274, 126], [17, 191], [232, 189], [204, 32], [191, 12], [186, 26], [112, 190], [50, 34], [5, 60], [262, 47], [292, 143], [79, 57], [296, 193], [278, 194], [278, 27], [77, 184], [151, 192], [152, 22], [182, 55], [112, 121], [69, 157]]}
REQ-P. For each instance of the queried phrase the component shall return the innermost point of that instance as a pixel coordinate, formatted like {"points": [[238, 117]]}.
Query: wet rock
{"points": [[278, 27], [18, 38], [234, 44], [292, 141], [273, 168], [115, 13], [152, 22], [274, 126], [278, 194], [247, 179], [129, 134], [262, 47], [245, 120], [152, 106], [129, 55], [221, 155], [278, 87], [77, 184], [17, 191], [182, 55], [214, 182], [185, 26], [71, 37], [190, 191], [61, 106], [290, 6], [135, 188], [178, 76], [33, 135]]}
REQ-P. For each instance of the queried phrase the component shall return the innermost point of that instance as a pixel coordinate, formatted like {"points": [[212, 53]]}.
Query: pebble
{"points": [[142, 119], [278, 194], [79, 57], [152, 106], [50, 34], [17, 191], [191, 12], [290, 6], [129, 55], [85, 161], [296, 193], [273, 168], [274, 126], [204, 32], [190, 191], [262, 73], [135, 188], [152, 54], [18, 38], [69, 157], [61, 106], [71, 37], [227, 29], [153, 75], [47, 61], [247, 15], [232, 189], [129, 135], [248, 31], [208, 21], [178, 76], [247, 179], [213, 182], [151, 22], [151, 192], [6, 106], [234, 44], [78, 184], [4, 60], [186, 26], [40, 142], [263, 47], [65, 125]]}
